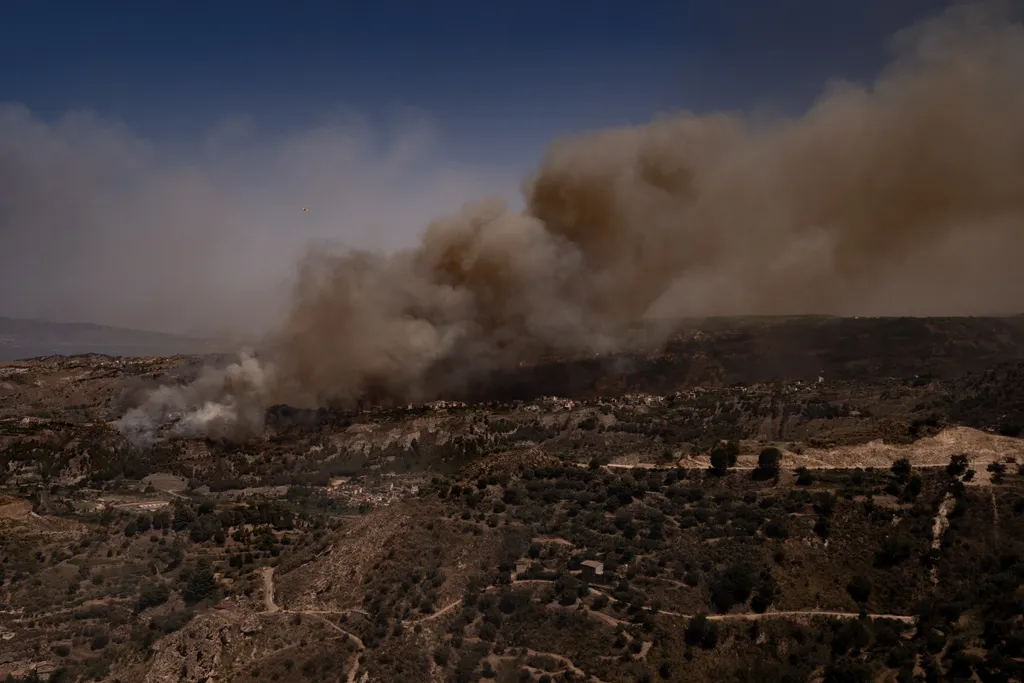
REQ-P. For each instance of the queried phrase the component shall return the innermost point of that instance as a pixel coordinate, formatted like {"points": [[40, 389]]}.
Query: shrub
{"points": [[912, 489], [822, 527], [957, 465], [719, 461], [99, 641], [776, 528], [859, 588], [847, 670], [733, 587], [172, 622], [1010, 429], [895, 549], [701, 632], [901, 468], [152, 594], [760, 603], [199, 584], [803, 476], [769, 460], [507, 603], [487, 631]]}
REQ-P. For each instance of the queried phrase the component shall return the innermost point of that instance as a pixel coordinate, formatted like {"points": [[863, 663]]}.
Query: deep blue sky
{"points": [[499, 78]]}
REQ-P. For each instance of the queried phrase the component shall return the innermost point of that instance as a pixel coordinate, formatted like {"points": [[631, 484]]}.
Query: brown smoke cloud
{"points": [[903, 197], [882, 199]]}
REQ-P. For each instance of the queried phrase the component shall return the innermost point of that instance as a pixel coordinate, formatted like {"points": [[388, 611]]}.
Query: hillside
{"points": [[761, 499]]}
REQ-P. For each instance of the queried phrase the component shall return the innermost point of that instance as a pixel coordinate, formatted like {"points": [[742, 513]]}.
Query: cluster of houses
{"points": [[360, 493]]}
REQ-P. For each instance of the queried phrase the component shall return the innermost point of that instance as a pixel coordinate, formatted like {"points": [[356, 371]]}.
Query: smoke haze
{"points": [[102, 226], [902, 197]]}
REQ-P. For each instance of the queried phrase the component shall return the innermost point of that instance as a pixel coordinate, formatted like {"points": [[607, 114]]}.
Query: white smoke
{"points": [[223, 403]]}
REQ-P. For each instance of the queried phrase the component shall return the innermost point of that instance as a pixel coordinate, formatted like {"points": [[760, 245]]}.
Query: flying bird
{"points": [[305, 209]]}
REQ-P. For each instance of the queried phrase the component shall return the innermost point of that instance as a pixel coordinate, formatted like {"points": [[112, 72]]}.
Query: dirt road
{"points": [[447, 608], [268, 590], [755, 616]]}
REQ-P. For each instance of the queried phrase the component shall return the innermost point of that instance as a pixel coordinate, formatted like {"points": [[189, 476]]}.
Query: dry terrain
{"points": [[758, 499]]}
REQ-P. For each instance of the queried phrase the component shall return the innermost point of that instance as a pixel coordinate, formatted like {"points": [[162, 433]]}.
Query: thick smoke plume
{"points": [[905, 197]]}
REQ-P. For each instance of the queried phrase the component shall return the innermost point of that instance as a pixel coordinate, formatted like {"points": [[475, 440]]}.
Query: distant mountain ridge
{"points": [[21, 338]]}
